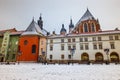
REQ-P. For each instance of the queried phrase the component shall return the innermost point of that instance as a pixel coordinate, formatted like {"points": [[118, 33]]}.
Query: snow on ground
{"points": [[35, 71]]}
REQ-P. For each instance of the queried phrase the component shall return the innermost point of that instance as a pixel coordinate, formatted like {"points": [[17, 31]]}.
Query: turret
{"points": [[63, 30], [71, 26]]}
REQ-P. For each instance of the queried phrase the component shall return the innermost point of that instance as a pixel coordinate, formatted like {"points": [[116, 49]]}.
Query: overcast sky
{"points": [[19, 13]]}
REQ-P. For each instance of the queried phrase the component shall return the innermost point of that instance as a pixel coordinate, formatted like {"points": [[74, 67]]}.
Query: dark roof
{"points": [[87, 16], [63, 29]]}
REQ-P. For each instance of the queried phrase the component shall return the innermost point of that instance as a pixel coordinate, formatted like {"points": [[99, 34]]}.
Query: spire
{"points": [[40, 22], [71, 25]]}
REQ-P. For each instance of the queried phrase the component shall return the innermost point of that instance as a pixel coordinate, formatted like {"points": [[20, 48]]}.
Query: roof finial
{"points": [[70, 20], [33, 18], [40, 16], [87, 8]]}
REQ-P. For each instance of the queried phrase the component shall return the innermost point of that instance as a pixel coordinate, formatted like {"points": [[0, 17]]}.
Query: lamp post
{"points": [[107, 53], [72, 51], [19, 53]]}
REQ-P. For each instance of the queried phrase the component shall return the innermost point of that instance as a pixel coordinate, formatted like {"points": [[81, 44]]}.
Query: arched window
{"points": [[85, 27], [33, 49], [93, 27], [25, 42]]}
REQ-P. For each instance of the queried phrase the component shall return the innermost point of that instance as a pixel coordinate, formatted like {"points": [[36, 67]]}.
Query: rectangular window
{"points": [[69, 40], [62, 47], [94, 38], [81, 39], [51, 47], [86, 47], [110, 37], [51, 57], [99, 39], [69, 47], [86, 39], [112, 45], [73, 40], [100, 46], [81, 47], [41, 42], [62, 40], [94, 46], [74, 47], [33, 49], [41, 49], [13, 56], [51, 41], [69, 56], [116, 37], [62, 56]]}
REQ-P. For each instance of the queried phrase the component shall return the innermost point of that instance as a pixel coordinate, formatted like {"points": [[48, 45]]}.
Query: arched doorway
{"points": [[99, 57], [84, 57], [114, 57]]}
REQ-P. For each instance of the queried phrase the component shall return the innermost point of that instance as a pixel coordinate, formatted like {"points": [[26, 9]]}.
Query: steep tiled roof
{"points": [[87, 16], [33, 29], [11, 30]]}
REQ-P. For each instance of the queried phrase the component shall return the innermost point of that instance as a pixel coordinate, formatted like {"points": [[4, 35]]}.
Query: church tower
{"points": [[87, 24]]}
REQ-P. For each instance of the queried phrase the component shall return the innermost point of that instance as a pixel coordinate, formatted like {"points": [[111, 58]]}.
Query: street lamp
{"points": [[107, 53], [19, 53], [72, 51]]}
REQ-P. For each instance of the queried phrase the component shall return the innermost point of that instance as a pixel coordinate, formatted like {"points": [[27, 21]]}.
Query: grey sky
{"points": [[19, 13]]}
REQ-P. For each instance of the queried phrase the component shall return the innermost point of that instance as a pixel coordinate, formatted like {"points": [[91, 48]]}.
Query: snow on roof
{"points": [[11, 30], [16, 33], [33, 29], [87, 15], [87, 34]]}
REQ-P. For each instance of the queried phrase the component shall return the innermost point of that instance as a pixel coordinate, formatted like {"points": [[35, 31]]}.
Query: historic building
{"points": [[85, 42], [32, 43], [9, 44]]}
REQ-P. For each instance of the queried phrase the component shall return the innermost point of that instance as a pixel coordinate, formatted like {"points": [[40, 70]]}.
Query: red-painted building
{"points": [[29, 42]]}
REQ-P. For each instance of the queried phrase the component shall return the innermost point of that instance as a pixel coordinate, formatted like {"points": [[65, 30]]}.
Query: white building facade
{"points": [[85, 43]]}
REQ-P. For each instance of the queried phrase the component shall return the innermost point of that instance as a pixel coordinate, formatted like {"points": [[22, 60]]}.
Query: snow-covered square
{"points": [[35, 71]]}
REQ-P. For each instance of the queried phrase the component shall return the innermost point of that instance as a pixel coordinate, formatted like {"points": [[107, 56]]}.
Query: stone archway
{"points": [[99, 57], [114, 57], [84, 57]]}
